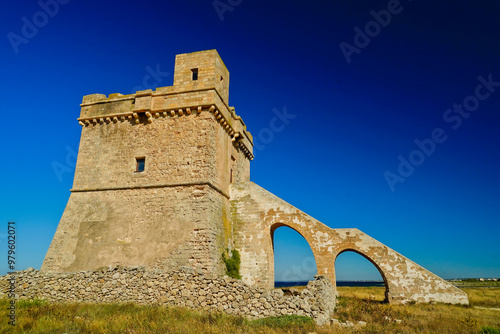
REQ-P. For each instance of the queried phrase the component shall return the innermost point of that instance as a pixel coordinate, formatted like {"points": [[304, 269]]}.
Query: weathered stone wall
{"points": [[257, 214], [183, 288], [176, 150], [163, 227]]}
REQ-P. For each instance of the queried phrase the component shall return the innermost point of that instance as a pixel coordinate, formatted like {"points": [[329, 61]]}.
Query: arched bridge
{"points": [[256, 214]]}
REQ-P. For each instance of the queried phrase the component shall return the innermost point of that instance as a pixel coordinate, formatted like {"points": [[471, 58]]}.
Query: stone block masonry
{"points": [[180, 288], [164, 227]]}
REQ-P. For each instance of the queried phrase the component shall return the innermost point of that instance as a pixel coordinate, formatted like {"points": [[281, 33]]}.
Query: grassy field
{"points": [[365, 304], [355, 304]]}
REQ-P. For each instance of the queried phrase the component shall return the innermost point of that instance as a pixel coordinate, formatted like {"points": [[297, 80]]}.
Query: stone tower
{"points": [[163, 181], [152, 176]]}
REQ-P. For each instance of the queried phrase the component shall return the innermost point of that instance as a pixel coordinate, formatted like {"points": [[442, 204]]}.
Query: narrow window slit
{"points": [[194, 74], [140, 164]]}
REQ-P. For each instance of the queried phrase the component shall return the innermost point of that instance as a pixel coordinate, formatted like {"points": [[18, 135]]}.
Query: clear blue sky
{"points": [[356, 117]]}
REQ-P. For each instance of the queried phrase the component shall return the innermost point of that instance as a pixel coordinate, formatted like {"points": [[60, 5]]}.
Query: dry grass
{"points": [[486, 297], [355, 304], [42, 317], [365, 304]]}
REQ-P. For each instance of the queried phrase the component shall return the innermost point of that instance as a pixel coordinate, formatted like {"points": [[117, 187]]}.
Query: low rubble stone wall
{"points": [[182, 288]]}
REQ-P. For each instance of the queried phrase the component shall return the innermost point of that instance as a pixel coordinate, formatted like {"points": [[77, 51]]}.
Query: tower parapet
{"points": [[201, 83]]}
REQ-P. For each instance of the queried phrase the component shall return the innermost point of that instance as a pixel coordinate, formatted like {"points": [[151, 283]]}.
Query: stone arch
{"points": [[275, 226], [294, 227], [380, 270]]}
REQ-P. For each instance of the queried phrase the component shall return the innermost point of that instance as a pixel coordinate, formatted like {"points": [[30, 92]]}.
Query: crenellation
{"points": [[93, 98]]}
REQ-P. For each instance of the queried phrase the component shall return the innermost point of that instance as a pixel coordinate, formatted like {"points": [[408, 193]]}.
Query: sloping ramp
{"points": [[257, 213]]}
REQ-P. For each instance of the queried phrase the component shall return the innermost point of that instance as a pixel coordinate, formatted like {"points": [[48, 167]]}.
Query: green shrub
{"points": [[489, 330], [232, 264]]}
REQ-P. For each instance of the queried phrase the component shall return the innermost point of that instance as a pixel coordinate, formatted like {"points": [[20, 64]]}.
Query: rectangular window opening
{"points": [[141, 163], [194, 73]]}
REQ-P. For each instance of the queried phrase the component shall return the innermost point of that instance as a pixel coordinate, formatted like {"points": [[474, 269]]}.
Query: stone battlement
{"points": [[207, 92], [229, 121]]}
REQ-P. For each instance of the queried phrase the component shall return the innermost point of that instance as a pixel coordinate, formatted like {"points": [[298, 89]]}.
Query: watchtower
{"points": [[153, 173]]}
